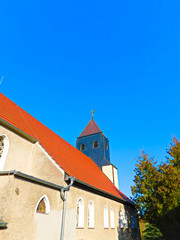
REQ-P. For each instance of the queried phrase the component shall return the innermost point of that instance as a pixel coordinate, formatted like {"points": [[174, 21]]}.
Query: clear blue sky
{"points": [[61, 59]]}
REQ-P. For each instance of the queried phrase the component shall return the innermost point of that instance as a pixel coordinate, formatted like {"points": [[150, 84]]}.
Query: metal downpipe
{"points": [[63, 194]]}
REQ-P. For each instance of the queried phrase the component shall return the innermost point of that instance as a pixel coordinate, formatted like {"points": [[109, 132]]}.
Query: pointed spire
{"points": [[91, 128]]}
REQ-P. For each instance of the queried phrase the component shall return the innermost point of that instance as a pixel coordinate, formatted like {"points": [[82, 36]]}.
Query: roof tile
{"points": [[71, 160]]}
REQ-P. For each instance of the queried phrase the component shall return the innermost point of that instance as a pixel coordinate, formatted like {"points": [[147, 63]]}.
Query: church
{"points": [[51, 190]]}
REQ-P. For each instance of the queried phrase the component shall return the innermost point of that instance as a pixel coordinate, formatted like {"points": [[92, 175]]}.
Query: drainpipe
{"points": [[63, 197]]}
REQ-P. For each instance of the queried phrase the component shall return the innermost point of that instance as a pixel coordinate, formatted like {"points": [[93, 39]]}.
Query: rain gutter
{"points": [[63, 190], [104, 193], [18, 131], [31, 179]]}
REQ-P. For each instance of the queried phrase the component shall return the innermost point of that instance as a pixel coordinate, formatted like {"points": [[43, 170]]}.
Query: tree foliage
{"points": [[151, 232], [156, 189]]}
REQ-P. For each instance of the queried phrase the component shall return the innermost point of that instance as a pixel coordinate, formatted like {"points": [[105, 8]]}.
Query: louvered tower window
{"points": [[82, 147], [95, 144]]}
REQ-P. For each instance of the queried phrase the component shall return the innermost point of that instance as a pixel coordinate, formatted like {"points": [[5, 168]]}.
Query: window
{"points": [[135, 222], [121, 219], [112, 218], [91, 215], [80, 214], [132, 222], [106, 145], [125, 220], [82, 147], [95, 144], [43, 205], [1, 145], [106, 222], [4, 147]]}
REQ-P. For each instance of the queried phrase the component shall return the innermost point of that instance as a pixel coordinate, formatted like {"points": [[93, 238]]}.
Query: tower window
{"points": [[106, 145], [82, 147], [95, 144]]}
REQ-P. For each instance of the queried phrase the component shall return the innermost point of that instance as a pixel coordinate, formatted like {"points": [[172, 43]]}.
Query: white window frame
{"points": [[5, 151], [125, 219], [91, 214], [121, 219], [46, 201], [112, 218], [106, 217], [80, 217]]}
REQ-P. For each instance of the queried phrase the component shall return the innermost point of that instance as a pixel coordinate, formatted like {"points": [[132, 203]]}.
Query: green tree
{"points": [[156, 191], [152, 233]]}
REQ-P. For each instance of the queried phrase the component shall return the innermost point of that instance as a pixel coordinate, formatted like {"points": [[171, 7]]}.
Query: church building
{"points": [[51, 190]]}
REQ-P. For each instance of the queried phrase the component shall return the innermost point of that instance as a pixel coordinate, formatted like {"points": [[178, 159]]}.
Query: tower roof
{"points": [[91, 128]]}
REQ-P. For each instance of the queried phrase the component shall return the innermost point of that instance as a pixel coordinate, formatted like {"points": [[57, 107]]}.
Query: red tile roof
{"points": [[71, 160], [91, 128]]}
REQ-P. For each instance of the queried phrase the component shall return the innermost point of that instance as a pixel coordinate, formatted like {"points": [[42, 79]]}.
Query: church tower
{"points": [[93, 143]]}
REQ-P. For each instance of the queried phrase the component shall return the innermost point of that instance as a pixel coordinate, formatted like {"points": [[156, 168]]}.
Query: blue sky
{"points": [[61, 59]]}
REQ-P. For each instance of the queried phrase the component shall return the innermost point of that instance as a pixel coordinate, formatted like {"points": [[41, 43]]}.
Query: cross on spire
{"points": [[92, 113]]}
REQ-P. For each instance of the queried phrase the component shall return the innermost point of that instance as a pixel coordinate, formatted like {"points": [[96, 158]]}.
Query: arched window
{"points": [[132, 222], [106, 221], [121, 219], [135, 221], [106, 145], [4, 147], [82, 147], [43, 205], [95, 144], [112, 218], [80, 213], [91, 215], [125, 220]]}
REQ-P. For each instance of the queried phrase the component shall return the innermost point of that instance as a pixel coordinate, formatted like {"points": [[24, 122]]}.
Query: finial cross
{"points": [[92, 113]]}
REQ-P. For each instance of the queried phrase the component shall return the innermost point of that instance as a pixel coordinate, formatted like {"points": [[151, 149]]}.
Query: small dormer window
{"points": [[106, 145], [82, 147], [95, 144]]}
